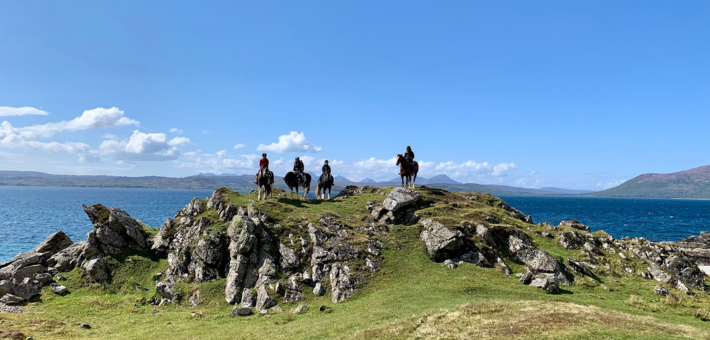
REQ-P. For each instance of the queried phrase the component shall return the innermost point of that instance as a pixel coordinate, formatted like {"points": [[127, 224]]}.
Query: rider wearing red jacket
{"points": [[263, 166]]}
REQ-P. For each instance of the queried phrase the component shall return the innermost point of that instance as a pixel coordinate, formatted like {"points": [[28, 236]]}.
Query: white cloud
{"points": [[176, 131], [216, 164], [239, 146], [98, 118], [293, 142], [141, 147], [7, 111], [177, 141], [221, 153]]}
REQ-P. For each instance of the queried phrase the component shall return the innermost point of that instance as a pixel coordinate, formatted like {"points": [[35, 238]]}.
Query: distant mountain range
{"points": [[693, 183], [245, 183]]}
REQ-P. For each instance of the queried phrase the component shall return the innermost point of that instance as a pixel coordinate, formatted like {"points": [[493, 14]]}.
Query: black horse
{"points": [[325, 182], [293, 181], [265, 183]]}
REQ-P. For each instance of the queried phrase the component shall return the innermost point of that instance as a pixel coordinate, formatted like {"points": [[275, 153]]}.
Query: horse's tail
{"points": [[318, 190]]}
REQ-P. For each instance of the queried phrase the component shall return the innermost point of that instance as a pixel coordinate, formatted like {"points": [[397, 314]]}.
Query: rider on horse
{"points": [[326, 169], [409, 157], [263, 167], [298, 168]]}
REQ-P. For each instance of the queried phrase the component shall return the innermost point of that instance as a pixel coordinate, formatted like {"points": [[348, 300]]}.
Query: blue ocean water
{"points": [[654, 219], [29, 214]]}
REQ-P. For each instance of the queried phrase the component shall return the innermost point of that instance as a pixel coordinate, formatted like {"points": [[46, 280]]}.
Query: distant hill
{"points": [[341, 179], [443, 179], [693, 183], [368, 181], [567, 191], [241, 183]]}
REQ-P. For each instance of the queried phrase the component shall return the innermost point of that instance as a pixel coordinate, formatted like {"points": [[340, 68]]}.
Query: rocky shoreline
{"points": [[266, 265]]}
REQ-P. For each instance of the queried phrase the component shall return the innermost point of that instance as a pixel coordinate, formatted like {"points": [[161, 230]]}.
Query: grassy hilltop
{"points": [[409, 296]]}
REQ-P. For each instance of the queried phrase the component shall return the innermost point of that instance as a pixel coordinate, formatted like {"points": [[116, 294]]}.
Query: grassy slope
{"points": [[410, 297]]}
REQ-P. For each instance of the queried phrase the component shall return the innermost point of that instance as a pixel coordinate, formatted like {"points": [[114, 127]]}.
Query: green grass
{"points": [[409, 297]]}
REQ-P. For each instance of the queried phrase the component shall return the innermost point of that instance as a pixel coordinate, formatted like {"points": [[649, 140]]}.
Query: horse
{"points": [[325, 182], [293, 181], [265, 183], [406, 171]]}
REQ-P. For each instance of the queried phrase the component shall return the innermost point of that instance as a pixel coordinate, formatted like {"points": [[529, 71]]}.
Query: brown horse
{"points": [[406, 171]]}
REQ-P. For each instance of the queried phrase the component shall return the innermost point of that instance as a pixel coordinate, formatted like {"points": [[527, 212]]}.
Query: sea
{"points": [[29, 214]]}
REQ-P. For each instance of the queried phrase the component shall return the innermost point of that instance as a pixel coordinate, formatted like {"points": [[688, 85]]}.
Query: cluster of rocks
{"points": [[260, 269], [114, 231], [398, 208]]}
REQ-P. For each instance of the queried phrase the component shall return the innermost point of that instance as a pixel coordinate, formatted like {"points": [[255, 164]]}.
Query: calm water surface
{"points": [[29, 214]]}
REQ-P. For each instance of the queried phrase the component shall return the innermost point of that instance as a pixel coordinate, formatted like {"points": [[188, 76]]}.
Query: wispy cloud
{"points": [[8, 111], [176, 131], [239, 146]]}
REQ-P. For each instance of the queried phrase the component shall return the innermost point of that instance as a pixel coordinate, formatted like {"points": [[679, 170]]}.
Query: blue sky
{"points": [[546, 93]]}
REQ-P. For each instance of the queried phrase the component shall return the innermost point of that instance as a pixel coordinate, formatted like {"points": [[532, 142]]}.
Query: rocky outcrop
{"points": [[114, 230], [342, 286], [538, 260], [574, 225], [24, 275], [696, 248], [441, 242]]}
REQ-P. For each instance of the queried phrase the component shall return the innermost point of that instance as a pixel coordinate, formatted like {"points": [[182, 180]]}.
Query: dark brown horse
{"points": [[293, 181], [265, 182], [406, 171], [325, 182]]}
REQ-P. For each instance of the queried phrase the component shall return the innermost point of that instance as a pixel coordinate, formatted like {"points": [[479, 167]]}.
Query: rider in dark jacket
{"points": [[326, 169], [298, 167], [409, 156]]}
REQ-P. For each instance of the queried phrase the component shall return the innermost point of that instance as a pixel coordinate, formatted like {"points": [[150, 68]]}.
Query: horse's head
{"points": [[399, 158]]}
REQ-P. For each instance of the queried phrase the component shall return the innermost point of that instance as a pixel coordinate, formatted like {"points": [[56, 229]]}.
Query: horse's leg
{"points": [[402, 180], [258, 194], [329, 193]]}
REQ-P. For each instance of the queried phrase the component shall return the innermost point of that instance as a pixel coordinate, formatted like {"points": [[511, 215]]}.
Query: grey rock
{"points": [[319, 290], [538, 260], [300, 309], [96, 269], [546, 282], [685, 271], [475, 257], [662, 291], [241, 311], [341, 284], [235, 278], [527, 277], [263, 299], [27, 288], [578, 268], [68, 258], [58, 289], [450, 264], [570, 240], [400, 197], [485, 235], [54, 243], [289, 259], [441, 242], [659, 275], [114, 230], [575, 225], [10, 299], [28, 271], [503, 266], [5, 287], [166, 289], [85, 326], [248, 298], [43, 278]]}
